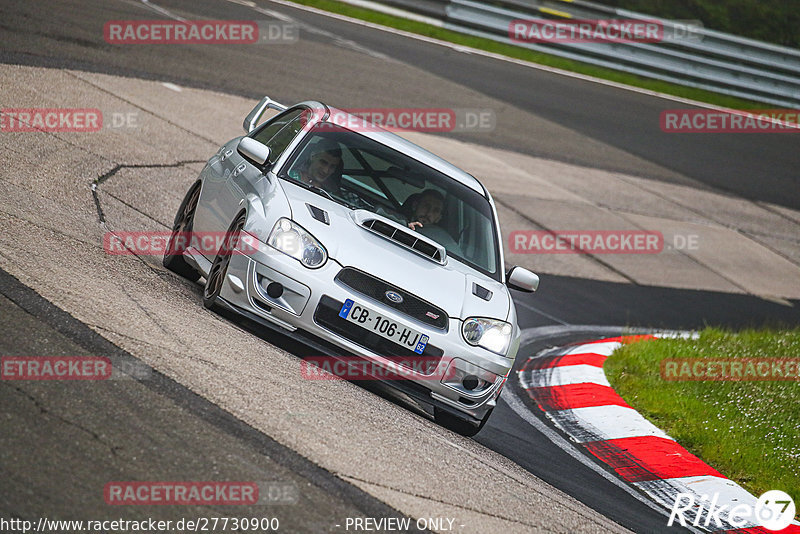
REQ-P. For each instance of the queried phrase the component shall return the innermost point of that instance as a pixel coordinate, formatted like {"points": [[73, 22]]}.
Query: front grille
{"points": [[327, 316], [376, 289]]}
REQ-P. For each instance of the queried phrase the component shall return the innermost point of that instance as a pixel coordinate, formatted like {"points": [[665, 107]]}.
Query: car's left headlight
{"points": [[490, 334], [293, 240]]}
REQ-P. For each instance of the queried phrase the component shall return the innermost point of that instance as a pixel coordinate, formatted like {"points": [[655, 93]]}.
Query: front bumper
{"points": [[307, 304]]}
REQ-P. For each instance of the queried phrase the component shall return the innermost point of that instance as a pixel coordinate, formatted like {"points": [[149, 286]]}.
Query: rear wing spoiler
{"points": [[254, 116]]}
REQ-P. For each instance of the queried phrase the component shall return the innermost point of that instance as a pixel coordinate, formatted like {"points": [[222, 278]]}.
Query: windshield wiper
{"points": [[323, 192], [317, 190], [313, 188]]}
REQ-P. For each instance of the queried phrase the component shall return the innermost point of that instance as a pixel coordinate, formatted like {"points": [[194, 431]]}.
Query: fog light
{"points": [[470, 382], [468, 378], [275, 290]]}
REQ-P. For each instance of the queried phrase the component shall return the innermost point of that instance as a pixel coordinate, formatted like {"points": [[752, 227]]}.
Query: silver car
{"points": [[365, 247]]}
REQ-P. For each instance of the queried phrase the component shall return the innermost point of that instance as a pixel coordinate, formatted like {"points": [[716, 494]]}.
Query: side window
{"points": [[278, 133]]}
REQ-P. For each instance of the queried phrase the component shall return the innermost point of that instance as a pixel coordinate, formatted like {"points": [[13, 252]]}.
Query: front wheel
{"points": [[181, 236], [219, 269], [458, 425]]}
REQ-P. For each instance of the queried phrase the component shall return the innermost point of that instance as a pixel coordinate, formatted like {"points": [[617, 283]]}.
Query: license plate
{"points": [[384, 327]]}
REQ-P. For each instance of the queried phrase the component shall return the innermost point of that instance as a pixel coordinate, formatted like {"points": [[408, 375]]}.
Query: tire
{"points": [[184, 220], [219, 269], [458, 425]]}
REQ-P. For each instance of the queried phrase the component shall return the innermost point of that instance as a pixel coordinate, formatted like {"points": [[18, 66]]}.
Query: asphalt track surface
{"points": [[537, 113], [72, 431]]}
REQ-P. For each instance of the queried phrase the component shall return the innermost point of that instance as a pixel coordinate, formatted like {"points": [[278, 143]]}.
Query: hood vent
{"points": [[402, 236], [481, 292], [319, 214]]}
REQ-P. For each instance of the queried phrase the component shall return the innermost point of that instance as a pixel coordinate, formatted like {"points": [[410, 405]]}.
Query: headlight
{"points": [[293, 240], [490, 334]]}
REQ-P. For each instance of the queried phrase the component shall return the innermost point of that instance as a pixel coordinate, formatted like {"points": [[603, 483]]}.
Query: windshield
{"points": [[361, 173]]}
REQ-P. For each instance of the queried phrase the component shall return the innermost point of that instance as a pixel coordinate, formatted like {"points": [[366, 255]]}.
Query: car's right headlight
{"points": [[490, 334], [293, 240]]}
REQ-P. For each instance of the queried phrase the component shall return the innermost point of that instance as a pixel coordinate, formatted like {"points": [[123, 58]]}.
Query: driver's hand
{"points": [[414, 225]]}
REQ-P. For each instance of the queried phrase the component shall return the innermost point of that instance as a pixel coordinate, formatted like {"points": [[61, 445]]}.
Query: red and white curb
{"points": [[570, 387]]}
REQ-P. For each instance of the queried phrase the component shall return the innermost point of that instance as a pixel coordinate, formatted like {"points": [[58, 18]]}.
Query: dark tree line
{"points": [[773, 21]]}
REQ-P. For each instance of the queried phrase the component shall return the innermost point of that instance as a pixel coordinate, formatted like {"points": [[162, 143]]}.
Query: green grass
{"points": [[525, 54], [747, 430]]}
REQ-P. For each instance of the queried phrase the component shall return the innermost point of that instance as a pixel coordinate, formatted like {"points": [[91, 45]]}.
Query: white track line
{"points": [[605, 348], [570, 374], [604, 423], [162, 11]]}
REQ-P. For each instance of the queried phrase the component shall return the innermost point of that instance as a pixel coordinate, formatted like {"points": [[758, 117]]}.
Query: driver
{"points": [[320, 168], [323, 169]]}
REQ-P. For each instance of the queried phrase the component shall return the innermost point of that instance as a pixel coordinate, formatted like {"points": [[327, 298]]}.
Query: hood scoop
{"points": [[481, 292], [319, 214], [400, 235]]}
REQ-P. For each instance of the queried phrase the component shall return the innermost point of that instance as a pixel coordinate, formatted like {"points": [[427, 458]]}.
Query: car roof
{"points": [[340, 116]]}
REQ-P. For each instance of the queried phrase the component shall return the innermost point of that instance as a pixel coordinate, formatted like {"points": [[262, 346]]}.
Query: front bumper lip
{"points": [[308, 287]]}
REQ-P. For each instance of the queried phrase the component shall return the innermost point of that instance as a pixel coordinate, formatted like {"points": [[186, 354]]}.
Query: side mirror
{"points": [[253, 151], [522, 279]]}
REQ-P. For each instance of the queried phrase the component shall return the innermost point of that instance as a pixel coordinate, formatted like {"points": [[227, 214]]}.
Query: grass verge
{"points": [[517, 52], [747, 430]]}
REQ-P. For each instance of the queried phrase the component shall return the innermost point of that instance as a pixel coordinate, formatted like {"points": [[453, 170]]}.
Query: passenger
{"points": [[425, 211], [426, 208]]}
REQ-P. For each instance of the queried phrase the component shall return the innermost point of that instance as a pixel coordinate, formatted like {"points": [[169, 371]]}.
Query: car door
{"points": [[230, 178]]}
